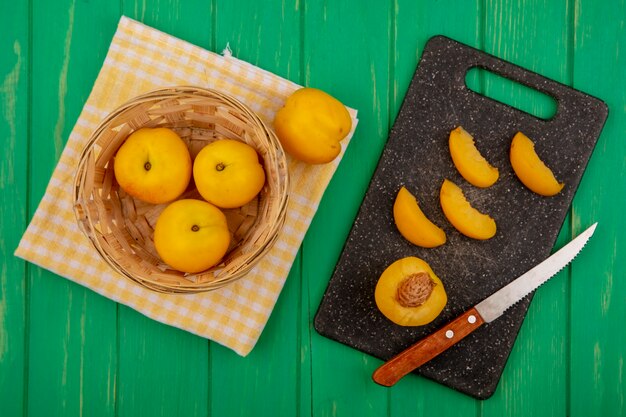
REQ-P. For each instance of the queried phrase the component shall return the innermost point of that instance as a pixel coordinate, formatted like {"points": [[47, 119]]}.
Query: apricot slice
{"points": [[465, 218], [530, 169], [468, 160], [409, 293], [413, 225]]}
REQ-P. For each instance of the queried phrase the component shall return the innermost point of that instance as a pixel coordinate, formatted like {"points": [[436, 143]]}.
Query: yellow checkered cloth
{"points": [[141, 59]]}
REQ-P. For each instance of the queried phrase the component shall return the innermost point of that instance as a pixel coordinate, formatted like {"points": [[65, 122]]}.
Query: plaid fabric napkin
{"points": [[141, 59]]}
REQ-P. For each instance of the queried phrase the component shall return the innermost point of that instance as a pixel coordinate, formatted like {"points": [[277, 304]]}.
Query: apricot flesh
{"points": [[392, 280], [468, 160], [460, 213], [530, 169], [413, 224]]}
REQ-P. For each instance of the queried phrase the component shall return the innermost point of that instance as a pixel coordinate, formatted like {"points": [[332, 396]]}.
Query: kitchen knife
{"points": [[484, 312]]}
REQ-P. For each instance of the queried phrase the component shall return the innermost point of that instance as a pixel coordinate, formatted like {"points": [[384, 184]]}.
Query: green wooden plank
{"points": [[347, 54], [266, 34], [535, 378], [598, 307], [191, 21], [14, 94], [415, 23], [305, 374], [162, 370], [266, 382], [71, 328]]}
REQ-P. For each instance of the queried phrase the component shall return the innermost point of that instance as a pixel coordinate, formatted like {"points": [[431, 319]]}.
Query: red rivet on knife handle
{"points": [[426, 349]]}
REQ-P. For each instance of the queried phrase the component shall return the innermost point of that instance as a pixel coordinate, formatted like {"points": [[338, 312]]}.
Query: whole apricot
{"points": [[153, 165], [311, 125], [228, 173], [191, 235]]}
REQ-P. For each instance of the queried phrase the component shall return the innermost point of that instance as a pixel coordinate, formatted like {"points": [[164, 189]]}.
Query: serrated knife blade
{"points": [[486, 311]]}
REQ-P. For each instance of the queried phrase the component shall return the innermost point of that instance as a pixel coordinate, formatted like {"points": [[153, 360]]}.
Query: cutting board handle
{"points": [[462, 58]]}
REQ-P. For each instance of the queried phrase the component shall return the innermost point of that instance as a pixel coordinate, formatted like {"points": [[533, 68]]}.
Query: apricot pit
{"points": [[409, 293]]}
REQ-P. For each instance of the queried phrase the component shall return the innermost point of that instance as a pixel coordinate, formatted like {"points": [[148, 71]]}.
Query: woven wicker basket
{"points": [[121, 227]]}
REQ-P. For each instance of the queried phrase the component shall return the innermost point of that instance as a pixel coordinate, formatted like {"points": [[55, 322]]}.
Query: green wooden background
{"points": [[65, 351]]}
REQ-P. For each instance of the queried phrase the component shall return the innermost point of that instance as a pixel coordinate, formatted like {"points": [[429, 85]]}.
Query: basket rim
{"points": [[159, 94]]}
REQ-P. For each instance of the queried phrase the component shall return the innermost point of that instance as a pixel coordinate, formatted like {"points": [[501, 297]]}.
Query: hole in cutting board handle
{"points": [[512, 93]]}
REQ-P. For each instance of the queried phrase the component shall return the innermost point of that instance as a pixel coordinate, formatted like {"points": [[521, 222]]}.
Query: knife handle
{"points": [[426, 349]]}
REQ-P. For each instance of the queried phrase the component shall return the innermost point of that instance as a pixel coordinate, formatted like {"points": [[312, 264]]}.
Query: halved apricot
{"points": [[413, 223], [409, 293], [460, 213], [468, 160], [530, 169]]}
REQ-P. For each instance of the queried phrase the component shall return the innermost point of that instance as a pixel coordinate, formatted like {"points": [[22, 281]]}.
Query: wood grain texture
{"points": [[66, 351], [598, 343], [70, 327], [162, 371], [14, 95]]}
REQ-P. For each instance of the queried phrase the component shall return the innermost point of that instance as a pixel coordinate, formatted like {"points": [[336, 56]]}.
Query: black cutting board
{"points": [[417, 156]]}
